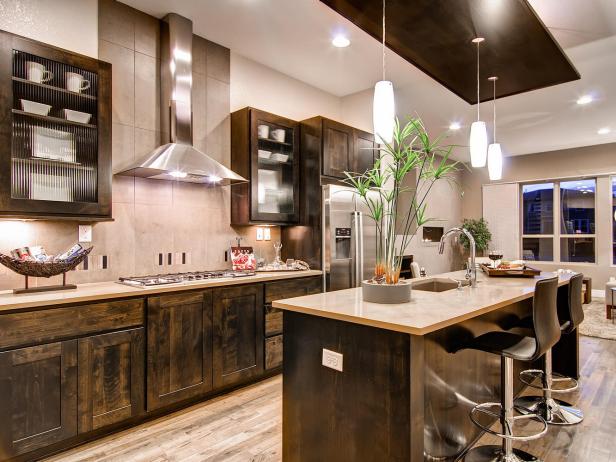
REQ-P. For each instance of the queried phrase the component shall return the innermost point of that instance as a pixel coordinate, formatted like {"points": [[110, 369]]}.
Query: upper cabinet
{"points": [[337, 147], [265, 150], [55, 132]]}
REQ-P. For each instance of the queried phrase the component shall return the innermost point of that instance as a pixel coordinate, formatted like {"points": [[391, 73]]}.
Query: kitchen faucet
{"points": [[471, 273]]}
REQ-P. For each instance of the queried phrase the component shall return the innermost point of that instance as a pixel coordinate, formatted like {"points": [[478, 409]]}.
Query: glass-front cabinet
{"points": [[264, 150], [55, 131]]}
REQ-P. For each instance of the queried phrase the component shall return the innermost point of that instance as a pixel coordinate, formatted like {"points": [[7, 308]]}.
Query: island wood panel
{"points": [[179, 347], [519, 48], [111, 378], [362, 413], [32, 327], [238, 334], [38, 404]]}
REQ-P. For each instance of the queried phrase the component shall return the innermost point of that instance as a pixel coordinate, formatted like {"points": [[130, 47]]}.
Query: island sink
{"points": [[439, 284]]}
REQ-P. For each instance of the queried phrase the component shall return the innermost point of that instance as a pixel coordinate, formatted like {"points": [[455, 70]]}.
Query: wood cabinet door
{"points": [[364, 151], [238, 334], [38, 397], [179, 347], [111, 381], [337, 148]]}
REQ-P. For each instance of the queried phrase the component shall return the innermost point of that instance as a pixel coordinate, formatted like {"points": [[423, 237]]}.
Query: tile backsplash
{"points": [[151, 216]]}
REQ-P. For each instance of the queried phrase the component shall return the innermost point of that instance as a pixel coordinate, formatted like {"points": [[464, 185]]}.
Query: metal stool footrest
{"points": [[529, 376], [484, 408]]}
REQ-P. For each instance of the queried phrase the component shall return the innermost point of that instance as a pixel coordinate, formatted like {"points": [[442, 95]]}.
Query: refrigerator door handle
{"points": [[357, 245], [360, 260]]}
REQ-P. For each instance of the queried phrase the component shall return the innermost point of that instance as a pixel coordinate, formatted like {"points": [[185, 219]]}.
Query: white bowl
{"points": [[263, 154], [35, 108], [280, 157], [76, 116]]}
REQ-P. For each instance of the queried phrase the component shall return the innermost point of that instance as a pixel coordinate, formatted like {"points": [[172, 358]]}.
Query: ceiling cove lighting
{"points": [[340, 41], [455, 126], [479, 136], [586, 99], [383, 106], [495, 155], [604, 131]]}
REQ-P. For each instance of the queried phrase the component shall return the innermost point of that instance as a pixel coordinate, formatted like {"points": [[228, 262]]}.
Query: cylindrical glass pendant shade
{"points": [[478, 144], [383, 111], [495, 161]]}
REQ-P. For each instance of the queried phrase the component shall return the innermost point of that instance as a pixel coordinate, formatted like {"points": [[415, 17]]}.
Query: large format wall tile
{"points": [[147, 92], [123, 81], [218, 62], [147, 34], [122, 145], [116, 23], [218, 121]]}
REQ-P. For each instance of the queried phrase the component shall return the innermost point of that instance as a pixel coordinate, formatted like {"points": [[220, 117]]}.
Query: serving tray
{"points": [[526, 272]]}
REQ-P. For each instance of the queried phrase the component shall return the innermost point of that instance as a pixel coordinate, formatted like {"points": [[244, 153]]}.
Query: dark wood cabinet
{"points": [[337, 148], [38, 404], [179, 347], [238, 334], [55, 132], [265, 151], [364, 150], [111, 380]]}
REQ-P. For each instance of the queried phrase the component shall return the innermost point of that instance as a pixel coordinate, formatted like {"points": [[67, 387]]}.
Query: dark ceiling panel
{"points": [[435, 36]]}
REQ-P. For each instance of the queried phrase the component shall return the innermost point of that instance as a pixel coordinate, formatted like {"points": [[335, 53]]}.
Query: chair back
{"points": [[575, 311], [545, 315]]}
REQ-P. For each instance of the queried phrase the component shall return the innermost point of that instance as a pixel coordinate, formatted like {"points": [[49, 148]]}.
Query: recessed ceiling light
{"points": [[586, 99], [604, 131], [455, 126], [340, 41]]}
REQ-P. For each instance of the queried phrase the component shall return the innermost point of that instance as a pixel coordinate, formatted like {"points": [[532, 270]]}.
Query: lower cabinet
{"points": [[238, 334], [111, 380], [273, 352], [38, 397], [179, 347]]}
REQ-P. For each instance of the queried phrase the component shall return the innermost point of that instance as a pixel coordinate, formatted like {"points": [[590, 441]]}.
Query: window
{"points": [[558, 221], [577, 222], [614, 220], [538, 222]]}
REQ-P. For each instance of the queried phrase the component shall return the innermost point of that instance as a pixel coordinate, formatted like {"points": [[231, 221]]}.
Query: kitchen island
{"points": [[398, 392]]}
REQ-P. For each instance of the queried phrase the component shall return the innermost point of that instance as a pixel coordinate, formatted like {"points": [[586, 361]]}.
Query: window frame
{"points": [[556, 216], [612, 180]]}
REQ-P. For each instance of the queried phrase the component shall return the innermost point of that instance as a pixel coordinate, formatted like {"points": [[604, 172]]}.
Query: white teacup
{"points": [[278, 134], [263, 131], [75, 82], [36, 72]]}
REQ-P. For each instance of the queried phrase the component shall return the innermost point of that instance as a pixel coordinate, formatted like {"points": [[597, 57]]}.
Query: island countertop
{"points": [[427, 311]]}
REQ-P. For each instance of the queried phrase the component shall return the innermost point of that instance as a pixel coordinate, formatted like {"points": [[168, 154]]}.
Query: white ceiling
{"points": [[293, 37]]}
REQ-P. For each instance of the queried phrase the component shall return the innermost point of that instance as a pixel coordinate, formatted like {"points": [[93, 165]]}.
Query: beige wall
{"points": [[151, 216], [590, 160], [70, 24]]}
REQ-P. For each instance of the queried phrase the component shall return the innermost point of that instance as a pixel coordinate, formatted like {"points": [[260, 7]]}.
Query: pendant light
{"points": [[495, 155], [383, 107], [479, 135]]}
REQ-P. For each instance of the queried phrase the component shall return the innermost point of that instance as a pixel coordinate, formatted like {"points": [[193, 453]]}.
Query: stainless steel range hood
{"points": [[178, 160]]}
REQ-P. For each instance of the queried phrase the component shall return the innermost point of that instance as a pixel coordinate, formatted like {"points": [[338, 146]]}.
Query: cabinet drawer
{"points": [[292, 288], [273, 352], [51, 324], [273, 321]]}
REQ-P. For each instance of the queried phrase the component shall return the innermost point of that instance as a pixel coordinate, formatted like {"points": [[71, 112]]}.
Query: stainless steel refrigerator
{"points": [[349, 239]]}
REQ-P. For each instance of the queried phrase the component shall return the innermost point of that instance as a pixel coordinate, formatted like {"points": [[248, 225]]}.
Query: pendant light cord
{"points": [[383, 48], [478, 100], [494, 112]]}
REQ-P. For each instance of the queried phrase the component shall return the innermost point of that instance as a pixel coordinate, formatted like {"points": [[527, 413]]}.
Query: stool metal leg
{"points": [[505, 452], [554, 411]]}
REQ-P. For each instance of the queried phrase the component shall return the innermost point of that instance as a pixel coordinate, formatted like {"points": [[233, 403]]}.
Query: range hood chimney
{"points": [[178, 160]]}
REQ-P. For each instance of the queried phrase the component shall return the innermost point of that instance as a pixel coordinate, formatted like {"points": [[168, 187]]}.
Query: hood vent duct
{"points": [[178, 160]]}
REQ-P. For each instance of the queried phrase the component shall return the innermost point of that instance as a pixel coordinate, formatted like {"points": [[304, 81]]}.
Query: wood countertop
{"points": [[110, 290], [427, 311]]}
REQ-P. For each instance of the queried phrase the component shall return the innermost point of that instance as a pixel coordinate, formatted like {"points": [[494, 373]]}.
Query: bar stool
{"points": [[511, 346], [556, 411]]}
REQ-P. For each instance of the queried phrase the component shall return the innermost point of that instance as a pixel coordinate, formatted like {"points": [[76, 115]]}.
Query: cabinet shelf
{"points": [[42, 160], [53, 119], [278, 143], [53, 88]]}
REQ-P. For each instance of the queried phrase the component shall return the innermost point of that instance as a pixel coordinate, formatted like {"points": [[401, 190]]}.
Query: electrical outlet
{"points": [[259, 234], [332, 359], [85, 233], [267, 234]]}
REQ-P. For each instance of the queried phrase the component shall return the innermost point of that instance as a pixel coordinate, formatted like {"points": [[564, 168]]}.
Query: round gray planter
{"points": [[386, 293]]}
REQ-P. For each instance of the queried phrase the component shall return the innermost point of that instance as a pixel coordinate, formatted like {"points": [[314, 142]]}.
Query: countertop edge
{"points": [[20, 302]]}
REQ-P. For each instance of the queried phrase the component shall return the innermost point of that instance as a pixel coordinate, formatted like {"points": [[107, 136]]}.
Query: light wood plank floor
{"points": [[246, 425]]}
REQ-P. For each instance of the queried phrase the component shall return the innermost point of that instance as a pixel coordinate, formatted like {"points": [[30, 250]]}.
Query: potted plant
{"points": [[479, 230], [381, 187]]}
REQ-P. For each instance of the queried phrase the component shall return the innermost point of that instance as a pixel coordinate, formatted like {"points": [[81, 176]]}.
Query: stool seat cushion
{"points": [[608, 292], [508, 344]]}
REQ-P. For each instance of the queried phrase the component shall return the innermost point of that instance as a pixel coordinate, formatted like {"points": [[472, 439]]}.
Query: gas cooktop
{"points": [[178, 278]]}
